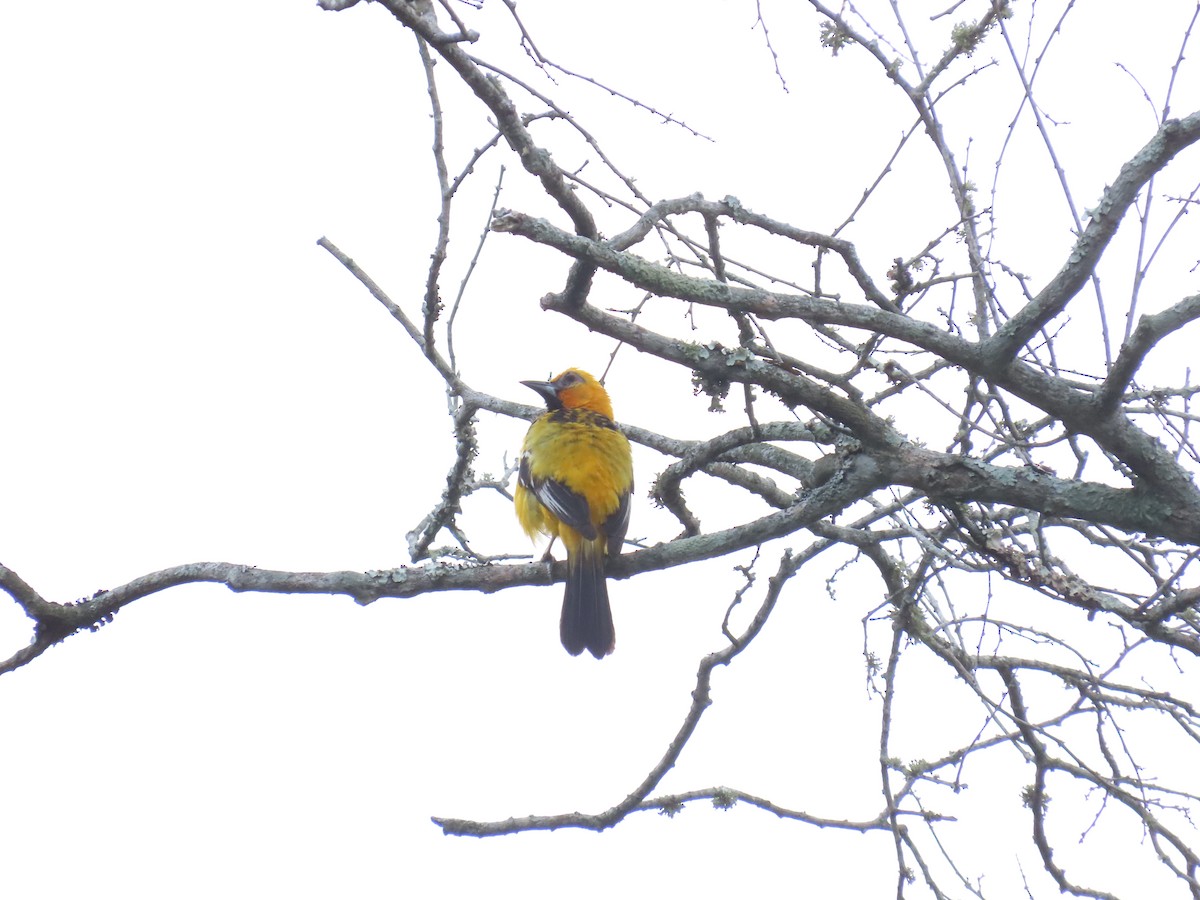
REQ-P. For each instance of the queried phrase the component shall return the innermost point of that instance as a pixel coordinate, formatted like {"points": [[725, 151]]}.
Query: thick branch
{"points": [[61, 620], [1171, 138], [944, 476], [1145, 457], [1150, 330]]}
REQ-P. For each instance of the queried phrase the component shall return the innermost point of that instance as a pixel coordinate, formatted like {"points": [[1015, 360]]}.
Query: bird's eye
{"points": [[568, 379]]}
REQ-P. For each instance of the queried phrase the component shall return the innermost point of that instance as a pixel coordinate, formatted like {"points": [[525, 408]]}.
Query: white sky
{"points": [[186, 376]]}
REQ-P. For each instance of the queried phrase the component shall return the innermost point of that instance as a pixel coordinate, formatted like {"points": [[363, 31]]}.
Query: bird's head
{"points": [[573, 389]]}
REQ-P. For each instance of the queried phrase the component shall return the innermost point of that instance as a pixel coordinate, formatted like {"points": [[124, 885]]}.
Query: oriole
{"points": [[575, 480]]}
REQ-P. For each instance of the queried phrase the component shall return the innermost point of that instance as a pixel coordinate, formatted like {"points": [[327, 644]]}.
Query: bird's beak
{"points": [[547, 390]]}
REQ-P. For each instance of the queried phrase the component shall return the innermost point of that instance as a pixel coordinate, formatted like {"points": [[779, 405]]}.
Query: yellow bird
{"points": [[575, 480]]}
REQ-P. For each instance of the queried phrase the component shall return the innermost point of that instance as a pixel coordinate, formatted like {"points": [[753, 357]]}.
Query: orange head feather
{"points": [[574, 389]]}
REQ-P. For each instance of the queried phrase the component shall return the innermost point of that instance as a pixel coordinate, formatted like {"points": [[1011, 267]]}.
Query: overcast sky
{"points": [[187, 376]]}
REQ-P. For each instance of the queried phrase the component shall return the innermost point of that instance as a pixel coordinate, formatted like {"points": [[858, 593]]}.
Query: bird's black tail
{"points": [[586, 621]]}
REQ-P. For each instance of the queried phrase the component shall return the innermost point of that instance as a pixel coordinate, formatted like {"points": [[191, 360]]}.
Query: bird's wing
{"points": [[569, 507], [616, 525]]}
